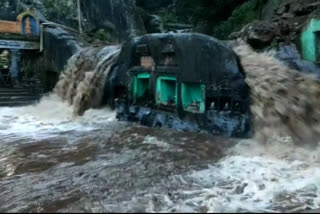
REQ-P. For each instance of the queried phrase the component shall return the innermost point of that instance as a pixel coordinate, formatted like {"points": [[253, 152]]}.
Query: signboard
{"points": [[19, 45]]}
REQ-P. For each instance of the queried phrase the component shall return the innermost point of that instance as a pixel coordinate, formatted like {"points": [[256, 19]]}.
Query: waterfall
{"points": [[284, 101], [82, 82]]}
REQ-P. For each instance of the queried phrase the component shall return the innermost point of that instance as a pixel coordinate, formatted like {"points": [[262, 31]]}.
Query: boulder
{"points": [[290, 16], [290, 56], [118, 17], [154, 24], [259, 34]]}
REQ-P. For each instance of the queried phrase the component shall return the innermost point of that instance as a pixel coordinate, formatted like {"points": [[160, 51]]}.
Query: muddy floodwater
{"points": [[51, 161]]}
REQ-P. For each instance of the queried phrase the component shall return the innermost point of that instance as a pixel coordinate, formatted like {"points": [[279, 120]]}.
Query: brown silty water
{"points": [[51, 161], [284, 101], [82, 82]]}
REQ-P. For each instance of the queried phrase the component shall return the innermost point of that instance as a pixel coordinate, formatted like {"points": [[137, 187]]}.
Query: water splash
{"points": [[284, 100], [49, 117], [249, 179], [82, 82]]}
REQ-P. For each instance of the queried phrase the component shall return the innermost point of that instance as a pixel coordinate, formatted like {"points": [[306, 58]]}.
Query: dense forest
{"points": [[218, 18], [116, 20]]}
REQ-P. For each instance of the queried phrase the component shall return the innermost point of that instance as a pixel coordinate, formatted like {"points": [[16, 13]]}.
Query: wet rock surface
{"points": [[291, 16], [290, 56], [120, 19], [259, 34]]}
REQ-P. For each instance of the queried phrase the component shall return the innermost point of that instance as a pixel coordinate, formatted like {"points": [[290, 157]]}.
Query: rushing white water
{"points": [[51, 115], [254, 177], [249, 179]]}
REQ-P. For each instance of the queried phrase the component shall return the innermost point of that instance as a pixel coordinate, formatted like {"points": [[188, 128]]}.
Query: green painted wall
{"points": [[140, 85], [193, 92], [309, 40], [167, 88]]}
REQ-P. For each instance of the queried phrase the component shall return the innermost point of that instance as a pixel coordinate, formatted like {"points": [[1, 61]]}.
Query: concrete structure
{"points": [[27, 24], [15, 37], [35, 57], [310, 41]]}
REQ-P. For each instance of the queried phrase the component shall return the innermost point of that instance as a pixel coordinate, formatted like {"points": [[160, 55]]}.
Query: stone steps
{"points": [[11, 97], [17, 103], [18, 98]]}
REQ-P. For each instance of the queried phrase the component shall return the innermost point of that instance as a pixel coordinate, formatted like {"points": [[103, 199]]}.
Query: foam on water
{"points": [[51, 115], [257, 185], [253, 177]]}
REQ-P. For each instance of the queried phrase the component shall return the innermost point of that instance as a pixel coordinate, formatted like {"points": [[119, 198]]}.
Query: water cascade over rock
{"points": [[284, 100], [82, 82]]}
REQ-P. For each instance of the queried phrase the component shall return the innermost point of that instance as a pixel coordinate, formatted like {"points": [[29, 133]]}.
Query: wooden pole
{"points": [[79, 17]]}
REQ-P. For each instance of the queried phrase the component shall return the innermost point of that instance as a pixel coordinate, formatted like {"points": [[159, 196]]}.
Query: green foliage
{"points": [[214, 17], [241, 16], [61, 11], [167, 17], [102, 35], [204, 15]]}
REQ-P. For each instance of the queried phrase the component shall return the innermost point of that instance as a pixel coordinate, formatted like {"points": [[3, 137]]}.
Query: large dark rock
{"points": [[194, 60], [154, 24], [117, 16], [289, 55], [259, 34], [290, 17], [59, 46], [269, 9]]}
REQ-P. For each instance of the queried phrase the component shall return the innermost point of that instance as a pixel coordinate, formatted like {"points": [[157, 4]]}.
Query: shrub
{"points": [[241, 16], [102, 35]]}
